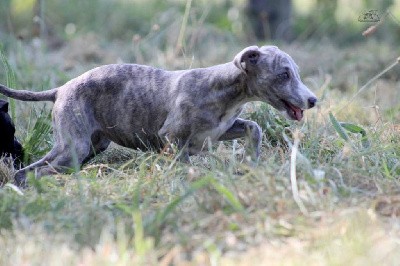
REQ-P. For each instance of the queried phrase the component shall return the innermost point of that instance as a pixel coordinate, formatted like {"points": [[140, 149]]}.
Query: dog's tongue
{"points": [[293, 111], [298, 113]]}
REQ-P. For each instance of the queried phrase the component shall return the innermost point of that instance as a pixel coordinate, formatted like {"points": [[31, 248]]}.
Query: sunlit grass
{"points": [[129, 207]]}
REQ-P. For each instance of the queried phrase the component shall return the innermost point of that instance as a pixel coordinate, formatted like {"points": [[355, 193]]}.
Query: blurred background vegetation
{"points": [[75, 35], [45, 43], [59, 21]]}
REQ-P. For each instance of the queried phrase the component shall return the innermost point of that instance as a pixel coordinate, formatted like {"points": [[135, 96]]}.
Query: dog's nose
{"points": [[311, 102]]}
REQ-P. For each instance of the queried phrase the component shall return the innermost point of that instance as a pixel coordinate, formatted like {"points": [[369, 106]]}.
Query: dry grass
{"points": [[128, 207], [6, 171]]}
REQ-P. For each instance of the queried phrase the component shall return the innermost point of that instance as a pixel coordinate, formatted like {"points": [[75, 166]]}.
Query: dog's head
{"points": [[272, 76]]}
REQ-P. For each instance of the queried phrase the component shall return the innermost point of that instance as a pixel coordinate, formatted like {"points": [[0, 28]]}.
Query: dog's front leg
{"points": [[249, 129], [181, 145], [181, 149]]}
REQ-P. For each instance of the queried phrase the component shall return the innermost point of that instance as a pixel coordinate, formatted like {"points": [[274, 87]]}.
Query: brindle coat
{"points": [[142, 107]]}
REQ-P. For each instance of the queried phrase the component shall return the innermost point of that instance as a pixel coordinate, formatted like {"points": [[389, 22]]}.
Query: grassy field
{"points": [[326, 190]]}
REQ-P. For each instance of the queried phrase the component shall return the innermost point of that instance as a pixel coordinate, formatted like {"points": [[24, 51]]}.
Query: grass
{"points": [[339, 204]]}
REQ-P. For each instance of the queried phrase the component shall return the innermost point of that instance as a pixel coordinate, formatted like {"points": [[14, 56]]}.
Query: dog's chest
{"points": [[225, 122]]}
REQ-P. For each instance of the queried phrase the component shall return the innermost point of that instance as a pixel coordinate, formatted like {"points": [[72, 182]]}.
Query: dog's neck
{"points": [[228, 88], [236, 82]]}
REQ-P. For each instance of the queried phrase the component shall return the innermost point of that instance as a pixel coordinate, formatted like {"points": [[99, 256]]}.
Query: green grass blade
{"points": [[161, 216], [357, 130], [38, 135], [338, 127], [141, 243], [227, 194], [10, 80], [353, 128]]}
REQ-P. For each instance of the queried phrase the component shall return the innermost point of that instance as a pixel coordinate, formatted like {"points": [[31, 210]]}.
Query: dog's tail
{"points": [[23, 95]]}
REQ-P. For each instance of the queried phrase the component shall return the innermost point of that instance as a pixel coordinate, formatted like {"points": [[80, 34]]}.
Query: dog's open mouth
{"points": [[294, 112]]}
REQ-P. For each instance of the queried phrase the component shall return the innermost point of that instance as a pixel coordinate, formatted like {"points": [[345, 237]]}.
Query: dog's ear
{"points": [[247, 57], [3, 106]]}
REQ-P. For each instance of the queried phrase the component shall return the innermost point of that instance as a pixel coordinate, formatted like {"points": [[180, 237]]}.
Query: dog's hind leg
{"points": [[45, 160], [20, 175], [73, 130], [61, 158], [70, 149], [98, 145], [249, 129]]}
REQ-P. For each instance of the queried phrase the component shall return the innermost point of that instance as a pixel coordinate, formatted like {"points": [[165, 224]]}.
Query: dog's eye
{"points": [[283, 76]]}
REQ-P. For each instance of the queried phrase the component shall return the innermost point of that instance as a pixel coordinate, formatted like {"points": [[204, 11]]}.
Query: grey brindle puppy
{"points": [[142, 107]]}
